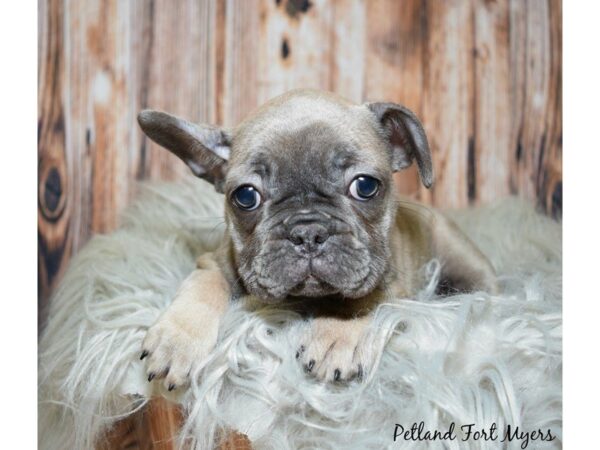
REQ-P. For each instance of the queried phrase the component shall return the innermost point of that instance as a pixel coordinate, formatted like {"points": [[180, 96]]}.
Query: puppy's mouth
{"points": [[312, 277], [344, 268], [312, 286]]}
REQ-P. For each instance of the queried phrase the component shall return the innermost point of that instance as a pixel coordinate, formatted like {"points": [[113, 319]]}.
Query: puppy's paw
{"points": [[334, 350], [174, 345]]}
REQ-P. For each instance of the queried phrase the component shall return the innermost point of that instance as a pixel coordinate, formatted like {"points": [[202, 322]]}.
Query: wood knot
{"points": [[51, 194], [296, 7], [285, 49]]}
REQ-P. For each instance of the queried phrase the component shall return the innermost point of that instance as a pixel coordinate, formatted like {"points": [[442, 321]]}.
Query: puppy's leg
{"points": [[464, 267], [187, 331]]}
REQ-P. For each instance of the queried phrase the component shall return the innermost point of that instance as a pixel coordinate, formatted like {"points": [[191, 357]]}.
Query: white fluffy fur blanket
{"points": [[465, 359]]}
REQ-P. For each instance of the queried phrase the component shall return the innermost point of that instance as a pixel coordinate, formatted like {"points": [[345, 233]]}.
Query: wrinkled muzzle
{"points": [[312, 254]]}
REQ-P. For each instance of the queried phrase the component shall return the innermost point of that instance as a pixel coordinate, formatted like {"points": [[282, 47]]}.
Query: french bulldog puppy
{"points": [[312, 218]]}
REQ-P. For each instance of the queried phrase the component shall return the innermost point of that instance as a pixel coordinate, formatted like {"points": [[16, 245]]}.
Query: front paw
{"points": [[173, 348], [334, 350]]}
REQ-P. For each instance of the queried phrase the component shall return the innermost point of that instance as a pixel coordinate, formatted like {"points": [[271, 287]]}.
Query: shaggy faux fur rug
{"points": [[466, 359]]}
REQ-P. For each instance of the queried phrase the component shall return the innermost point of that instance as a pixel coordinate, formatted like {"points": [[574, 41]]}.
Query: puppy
{"points": [[312, 218]]}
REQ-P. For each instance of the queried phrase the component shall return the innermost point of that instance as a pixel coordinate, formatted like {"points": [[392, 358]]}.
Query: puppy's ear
{"points": [[406, 137], [204, 148]]}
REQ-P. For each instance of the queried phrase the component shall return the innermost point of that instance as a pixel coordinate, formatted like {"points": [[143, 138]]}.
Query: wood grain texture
{"points": [[484, 76], [153, 428], [241, 77], [55, 199], [156, 428], [449, 100], [491, 108], [394, 56], [536, 89]]}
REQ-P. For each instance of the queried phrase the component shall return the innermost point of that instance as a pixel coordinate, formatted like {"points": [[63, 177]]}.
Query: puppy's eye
{"points": [[364, 187], [246, 198]]}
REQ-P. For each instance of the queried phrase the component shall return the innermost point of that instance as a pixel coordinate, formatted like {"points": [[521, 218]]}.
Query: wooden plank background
{"points": [[484, 76]]}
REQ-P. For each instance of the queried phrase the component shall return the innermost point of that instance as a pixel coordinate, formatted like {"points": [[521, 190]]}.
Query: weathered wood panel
{"points": [[449, 96], [54, 183], [484, 76], [153, 428], [241, 86], [394, 57], [491, 109]]}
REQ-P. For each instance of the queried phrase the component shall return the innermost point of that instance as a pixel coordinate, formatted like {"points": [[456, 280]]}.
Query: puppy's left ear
{"points": [[204, 148], [407, 138]]}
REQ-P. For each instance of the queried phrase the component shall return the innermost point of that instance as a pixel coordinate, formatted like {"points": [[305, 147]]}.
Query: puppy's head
{"points": [[308, 186]]}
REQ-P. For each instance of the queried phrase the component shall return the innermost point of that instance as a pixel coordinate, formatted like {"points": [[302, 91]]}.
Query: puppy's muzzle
{"points": [[308, 232]]}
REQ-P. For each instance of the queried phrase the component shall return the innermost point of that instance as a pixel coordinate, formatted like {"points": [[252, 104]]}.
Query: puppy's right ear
{"points": [[406, 136], [204, 148]]}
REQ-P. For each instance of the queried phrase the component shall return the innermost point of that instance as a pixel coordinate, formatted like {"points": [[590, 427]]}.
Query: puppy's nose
{"points": [[309, 237]]}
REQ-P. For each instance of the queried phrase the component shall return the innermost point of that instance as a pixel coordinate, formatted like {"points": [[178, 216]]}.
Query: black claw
{"points": [[144, 354], [172, 386], [297, 355], [269, 332], [360, 372], [337, 375], [310, 365], [300, 351], [166, 372], [151, 376]]}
